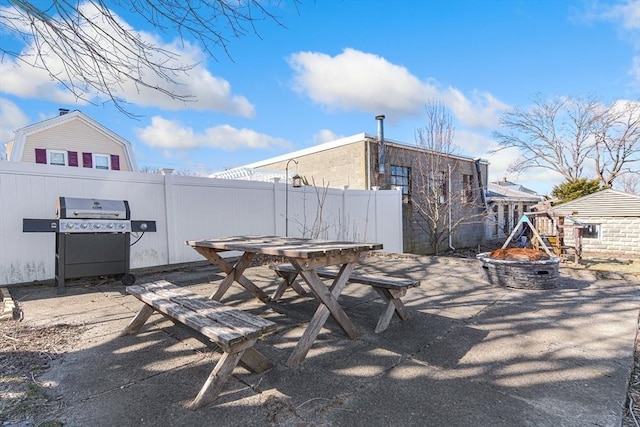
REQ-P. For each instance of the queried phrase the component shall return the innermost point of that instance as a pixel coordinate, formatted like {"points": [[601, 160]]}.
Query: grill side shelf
{"points": [[35, 225], [138, 226]]}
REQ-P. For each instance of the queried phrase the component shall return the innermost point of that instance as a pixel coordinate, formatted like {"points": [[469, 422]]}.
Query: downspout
{"points": [[382, 155], [450, 209], [483, 196], [367, 152]]}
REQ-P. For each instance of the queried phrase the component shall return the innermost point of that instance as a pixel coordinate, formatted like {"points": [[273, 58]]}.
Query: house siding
{"points": [[75, 136]]}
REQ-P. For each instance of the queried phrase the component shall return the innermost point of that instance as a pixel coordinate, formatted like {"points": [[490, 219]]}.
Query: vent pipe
{"points": [[63, 111], [382, 155]]}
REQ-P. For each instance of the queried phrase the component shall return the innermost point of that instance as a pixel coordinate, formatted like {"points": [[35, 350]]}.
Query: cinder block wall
{"points": [[334, 168], [619, 236]]}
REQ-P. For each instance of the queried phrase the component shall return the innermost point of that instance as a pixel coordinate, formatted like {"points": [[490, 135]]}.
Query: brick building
{"points": [[363, 162]]}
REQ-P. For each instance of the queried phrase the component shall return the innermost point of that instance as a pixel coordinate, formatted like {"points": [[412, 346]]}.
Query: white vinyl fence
{"points": [[184, 208]]}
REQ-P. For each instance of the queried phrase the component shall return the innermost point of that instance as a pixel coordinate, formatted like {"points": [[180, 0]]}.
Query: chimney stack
{"points": [[382, 157], [63, 111]]}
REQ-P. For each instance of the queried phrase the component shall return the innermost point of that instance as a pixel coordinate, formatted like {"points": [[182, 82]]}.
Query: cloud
{"points": [[625, 15], [163, 133], [482, 110], [209, 93], [364, 82], [11, 119], [325, 135], [29, 82]]}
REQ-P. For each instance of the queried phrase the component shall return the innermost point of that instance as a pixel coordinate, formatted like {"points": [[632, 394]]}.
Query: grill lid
{"points": [[78, 208]]}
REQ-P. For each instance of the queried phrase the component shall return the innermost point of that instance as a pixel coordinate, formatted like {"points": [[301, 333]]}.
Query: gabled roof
{"points": [[21, 134], [511, 193], [513, 186], [605, 203]]}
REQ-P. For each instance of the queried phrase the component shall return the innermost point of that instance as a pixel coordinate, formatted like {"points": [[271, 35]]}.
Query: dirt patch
{"points": [[519, 254], [26, 352]]}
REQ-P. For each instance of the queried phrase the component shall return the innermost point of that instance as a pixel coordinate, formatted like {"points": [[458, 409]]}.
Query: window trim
{"points": [[96, 156], [65, 156], [598, 232], [467, 188], [406, 189]]}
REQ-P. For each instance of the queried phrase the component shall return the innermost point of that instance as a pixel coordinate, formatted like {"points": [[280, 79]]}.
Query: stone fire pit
{"points": [[520, 268]]}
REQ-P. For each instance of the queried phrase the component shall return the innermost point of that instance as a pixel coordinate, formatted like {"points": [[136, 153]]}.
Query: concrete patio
{"points": [[472, 354]]}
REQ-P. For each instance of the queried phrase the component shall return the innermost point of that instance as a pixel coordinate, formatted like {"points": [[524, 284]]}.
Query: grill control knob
{"points": [[69, 225], [110, 225], [96, 226], [84, 225], [122, 225]]}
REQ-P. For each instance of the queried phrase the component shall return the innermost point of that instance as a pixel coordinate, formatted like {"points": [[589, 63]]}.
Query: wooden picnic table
{"points": [[307, 256]]}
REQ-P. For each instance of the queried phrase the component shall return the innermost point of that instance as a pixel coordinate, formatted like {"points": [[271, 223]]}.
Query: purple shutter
{"points": [[87, 160], [115, 162], [41, 155], [73, 158]]}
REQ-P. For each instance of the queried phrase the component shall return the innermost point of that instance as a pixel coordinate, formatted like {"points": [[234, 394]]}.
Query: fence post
{"points": [[169, 213]]}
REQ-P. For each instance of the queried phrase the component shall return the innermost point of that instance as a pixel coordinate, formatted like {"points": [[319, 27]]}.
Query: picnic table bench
{"points": [[233, 330], [390, 289]]}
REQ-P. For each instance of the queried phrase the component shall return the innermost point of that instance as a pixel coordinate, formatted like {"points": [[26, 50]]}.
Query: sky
{"points": [[333, 65]]}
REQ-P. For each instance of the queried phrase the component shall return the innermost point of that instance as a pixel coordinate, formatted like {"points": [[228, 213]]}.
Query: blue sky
{"points": [[338, 64]]}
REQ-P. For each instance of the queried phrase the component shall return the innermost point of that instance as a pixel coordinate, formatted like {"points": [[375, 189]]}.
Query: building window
{"points": [[494, 217], [505, 219], [102, 161], [55, 157], [591, 231], [467, 188], [438, 186], [401, 177]]}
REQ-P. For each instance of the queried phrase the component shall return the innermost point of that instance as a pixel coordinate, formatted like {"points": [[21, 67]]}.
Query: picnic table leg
{"points": [[328, 305], [234, 273], [255, 361], [393, 305], [288, 280], [139, 320], [217, 379]]}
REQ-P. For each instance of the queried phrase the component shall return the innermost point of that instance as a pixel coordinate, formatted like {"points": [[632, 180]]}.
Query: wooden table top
{"points": [[293, 247]]}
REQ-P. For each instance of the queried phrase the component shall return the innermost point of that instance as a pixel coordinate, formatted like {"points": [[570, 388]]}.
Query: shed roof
{"points": [[605, 203]]}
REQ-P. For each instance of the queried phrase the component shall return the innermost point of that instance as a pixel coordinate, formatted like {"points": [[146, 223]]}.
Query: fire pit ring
{"points": [[520, 274]]}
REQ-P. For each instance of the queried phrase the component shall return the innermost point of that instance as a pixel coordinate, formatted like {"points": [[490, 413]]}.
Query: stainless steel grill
{"points": [[93, 237]]}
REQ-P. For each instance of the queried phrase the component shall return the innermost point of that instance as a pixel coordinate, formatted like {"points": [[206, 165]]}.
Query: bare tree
{"points": [[87, 47], [567, 134], [433, 197], [630, 183], [617, 147]]}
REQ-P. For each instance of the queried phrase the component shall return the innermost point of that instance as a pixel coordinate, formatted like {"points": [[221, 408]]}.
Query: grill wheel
{"points": [[128, 279]]}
